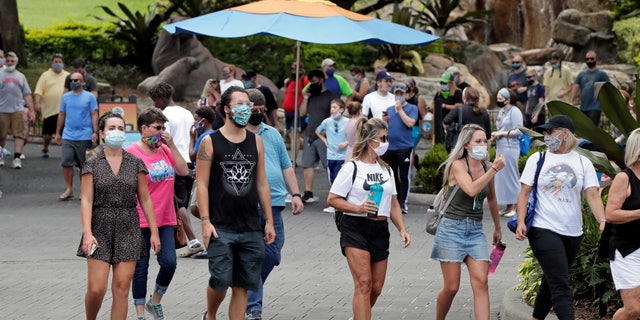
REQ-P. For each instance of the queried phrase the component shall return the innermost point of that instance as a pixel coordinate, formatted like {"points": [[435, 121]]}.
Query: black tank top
{"points": [[233, 193], [625, 237]]}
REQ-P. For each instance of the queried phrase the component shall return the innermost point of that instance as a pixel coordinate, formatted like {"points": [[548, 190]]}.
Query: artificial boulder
{"points": [[586, 31]]}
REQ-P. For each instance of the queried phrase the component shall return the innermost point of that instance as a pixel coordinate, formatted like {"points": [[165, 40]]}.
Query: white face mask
{"points": [[553, 142], [478, 152], [382, 148]]}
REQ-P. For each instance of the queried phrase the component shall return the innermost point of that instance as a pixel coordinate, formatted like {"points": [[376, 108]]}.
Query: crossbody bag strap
{"points": [[535, 177]]}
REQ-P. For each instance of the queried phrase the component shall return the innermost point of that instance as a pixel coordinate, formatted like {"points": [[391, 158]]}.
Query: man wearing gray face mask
{"points": [[47, 97]]}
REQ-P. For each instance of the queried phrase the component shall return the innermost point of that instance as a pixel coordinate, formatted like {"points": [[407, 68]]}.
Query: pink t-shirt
{"points": [[160, 180]]}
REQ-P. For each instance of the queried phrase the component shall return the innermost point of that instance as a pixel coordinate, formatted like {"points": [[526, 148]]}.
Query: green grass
{"points": [[39, 14]]}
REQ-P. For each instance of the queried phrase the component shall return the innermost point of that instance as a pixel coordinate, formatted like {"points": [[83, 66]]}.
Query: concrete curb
{"points": [[514, 308]]}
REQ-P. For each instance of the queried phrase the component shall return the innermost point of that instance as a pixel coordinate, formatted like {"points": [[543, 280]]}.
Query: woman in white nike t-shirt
{"points": [[556, 230], [364, 236]]}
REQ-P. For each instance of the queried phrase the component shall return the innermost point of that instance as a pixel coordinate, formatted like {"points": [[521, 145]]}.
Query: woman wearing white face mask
{"points": [[556, 230], [111, 236], [364, 236], [459, 237]]}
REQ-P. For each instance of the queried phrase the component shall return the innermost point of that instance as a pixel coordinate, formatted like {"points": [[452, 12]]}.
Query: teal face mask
{"points": [[240, 114]]}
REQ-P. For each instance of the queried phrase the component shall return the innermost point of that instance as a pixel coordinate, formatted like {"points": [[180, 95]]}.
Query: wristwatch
{"points": [[296, 195]]}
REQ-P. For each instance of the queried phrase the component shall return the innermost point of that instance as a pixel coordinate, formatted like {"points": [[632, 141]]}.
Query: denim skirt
{"points": [[456, 239]]}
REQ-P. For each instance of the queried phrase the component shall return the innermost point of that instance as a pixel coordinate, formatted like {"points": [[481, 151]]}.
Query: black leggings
{"points": [[556, 254], [400, 163]]}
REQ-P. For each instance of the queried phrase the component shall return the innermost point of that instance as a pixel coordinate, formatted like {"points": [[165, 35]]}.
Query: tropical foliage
{"points": [[138, 30], [435, 16], [401, 58]]}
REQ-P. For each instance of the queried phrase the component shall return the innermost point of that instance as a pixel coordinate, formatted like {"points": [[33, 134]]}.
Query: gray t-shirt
{"points": [[13, 89], [318, 109]]}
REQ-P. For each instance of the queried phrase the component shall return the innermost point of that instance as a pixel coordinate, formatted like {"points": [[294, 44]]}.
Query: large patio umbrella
{"points": [[314, 21]]}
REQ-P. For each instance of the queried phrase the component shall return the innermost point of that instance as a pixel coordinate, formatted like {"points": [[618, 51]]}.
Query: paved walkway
{"points": [[41, 278]]}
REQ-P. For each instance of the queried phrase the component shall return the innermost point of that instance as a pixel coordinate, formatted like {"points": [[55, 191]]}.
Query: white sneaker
{"points": [[329, 210], [1, 163], [23, 157], [192, 248], [17, 163], [510, 214]]}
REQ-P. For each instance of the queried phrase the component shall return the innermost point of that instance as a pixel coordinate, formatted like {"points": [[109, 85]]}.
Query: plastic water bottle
{"points": [[375, 195], [496, 255]]}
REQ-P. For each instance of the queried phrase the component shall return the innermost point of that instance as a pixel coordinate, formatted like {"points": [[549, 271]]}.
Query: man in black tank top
{"points": [[231, 182]]}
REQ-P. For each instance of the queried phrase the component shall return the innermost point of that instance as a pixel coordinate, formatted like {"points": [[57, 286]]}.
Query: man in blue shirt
{"points": [[280, 174], [79, 117], [585, 81], [401, 118]]}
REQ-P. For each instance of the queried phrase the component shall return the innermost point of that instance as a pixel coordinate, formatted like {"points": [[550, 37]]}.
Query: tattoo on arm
{"points": [[202, 154]]}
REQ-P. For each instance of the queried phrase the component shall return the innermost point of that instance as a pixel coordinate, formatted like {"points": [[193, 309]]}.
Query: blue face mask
{"points": [[336, 116], [199, 128], [555, 65], [444, 87], [516, 66], [455, 79], [115, 138], [248, 84], [401, 99], [240, 115], [330, 72]]}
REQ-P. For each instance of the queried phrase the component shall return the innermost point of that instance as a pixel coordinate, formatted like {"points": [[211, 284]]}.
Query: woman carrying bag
{"points": [[459, 237], [556, 230], [364, 236]]}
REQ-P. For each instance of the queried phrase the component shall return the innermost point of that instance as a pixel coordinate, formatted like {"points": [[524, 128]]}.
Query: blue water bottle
{"points": [[375, 195]]}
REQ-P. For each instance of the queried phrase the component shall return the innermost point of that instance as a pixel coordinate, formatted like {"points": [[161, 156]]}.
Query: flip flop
{"points": [[65, 196]]}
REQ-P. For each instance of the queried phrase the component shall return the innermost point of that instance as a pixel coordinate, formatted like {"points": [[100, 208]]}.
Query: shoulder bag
{"points": [[533, 198]]}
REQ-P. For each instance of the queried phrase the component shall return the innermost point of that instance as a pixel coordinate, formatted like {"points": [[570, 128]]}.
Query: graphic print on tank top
{"points": [[558, 178], [237, 174]]}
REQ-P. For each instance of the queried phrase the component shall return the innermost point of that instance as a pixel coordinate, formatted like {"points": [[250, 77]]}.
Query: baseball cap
{"points": [[248, 74], [383, 75], [327, 62], [446, 77], [400, 87], [557, 121], [453, 69]]}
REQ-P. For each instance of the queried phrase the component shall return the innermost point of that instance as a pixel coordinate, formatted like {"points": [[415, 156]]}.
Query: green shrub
{"points": [[628, 39], [129, 76], [429, 177], [72, 39], [588, 272], [272, 56]]}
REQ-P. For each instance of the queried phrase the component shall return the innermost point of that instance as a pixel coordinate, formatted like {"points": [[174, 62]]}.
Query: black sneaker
{"points": [[45, 153], [307, 197]]}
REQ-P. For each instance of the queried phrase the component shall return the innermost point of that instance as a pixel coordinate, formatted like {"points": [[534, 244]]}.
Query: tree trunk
{"points": [[10, 31]]}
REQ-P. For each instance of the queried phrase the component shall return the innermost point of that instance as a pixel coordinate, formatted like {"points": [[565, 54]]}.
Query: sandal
{"points": [[65, 196]]}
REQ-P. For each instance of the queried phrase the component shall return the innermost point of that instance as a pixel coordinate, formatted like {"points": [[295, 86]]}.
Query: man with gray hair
{"points": [[457, 77], [280, 175], [15, 95]]}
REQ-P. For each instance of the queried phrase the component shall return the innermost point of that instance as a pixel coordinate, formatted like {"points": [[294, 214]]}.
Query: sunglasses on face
{"points": [[590, 59], [74, 80], [382, 139], [530, 77], [158, 127]]}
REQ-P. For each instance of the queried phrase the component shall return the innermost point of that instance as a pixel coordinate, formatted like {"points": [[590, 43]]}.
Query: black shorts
{"points": [[182, 191], [366, 234], [49, 125]]}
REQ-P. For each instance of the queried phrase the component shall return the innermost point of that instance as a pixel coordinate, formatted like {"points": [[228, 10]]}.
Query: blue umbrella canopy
{"points": [[313, 21]]}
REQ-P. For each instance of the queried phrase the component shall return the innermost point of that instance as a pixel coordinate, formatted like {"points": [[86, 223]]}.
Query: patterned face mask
{"points": [[154, 141], [240, 114], [553, 142]]}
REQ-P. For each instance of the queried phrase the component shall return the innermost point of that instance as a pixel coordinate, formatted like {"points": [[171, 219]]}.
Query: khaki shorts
{"points": [[15, 121]]}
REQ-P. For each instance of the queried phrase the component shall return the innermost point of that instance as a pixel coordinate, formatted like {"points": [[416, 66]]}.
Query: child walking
{"points": [[331, 132]]}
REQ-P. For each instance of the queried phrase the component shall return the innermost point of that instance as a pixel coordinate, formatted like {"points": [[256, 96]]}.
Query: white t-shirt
{"points": [[179, 126], [224, 85], [562, 179], [367, 175], [377, 103]]}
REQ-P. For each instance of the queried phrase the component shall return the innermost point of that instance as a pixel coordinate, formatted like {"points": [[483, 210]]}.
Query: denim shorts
{"points": [[235, 259], [457, 239]]}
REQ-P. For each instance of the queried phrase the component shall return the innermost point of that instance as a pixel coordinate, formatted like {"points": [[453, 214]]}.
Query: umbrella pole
{"points": [[294, 143]]}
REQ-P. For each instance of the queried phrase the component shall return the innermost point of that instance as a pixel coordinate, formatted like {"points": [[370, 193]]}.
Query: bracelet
{"points": [[602, 220], [204, 218], [492, 167], [296, 195]]}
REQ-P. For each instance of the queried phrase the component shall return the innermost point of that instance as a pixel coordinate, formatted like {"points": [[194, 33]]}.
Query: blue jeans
{"points": [[334, 167], [271, 257], [166, 259]]}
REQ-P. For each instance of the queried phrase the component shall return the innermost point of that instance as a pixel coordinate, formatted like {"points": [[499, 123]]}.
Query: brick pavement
{"points": [[40, 277]]}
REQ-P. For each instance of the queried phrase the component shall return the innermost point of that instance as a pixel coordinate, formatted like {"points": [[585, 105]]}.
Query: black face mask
{"points": [[315, 89], [501, 104], [255, 119], [529, 82], [591, 64]]}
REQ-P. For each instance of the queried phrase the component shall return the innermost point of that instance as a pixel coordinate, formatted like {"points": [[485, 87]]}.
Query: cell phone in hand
{"points": [[94, 246], [384, 113]]}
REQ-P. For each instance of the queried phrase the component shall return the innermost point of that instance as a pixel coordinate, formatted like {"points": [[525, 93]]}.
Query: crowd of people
{"points": [[364, 136]]}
